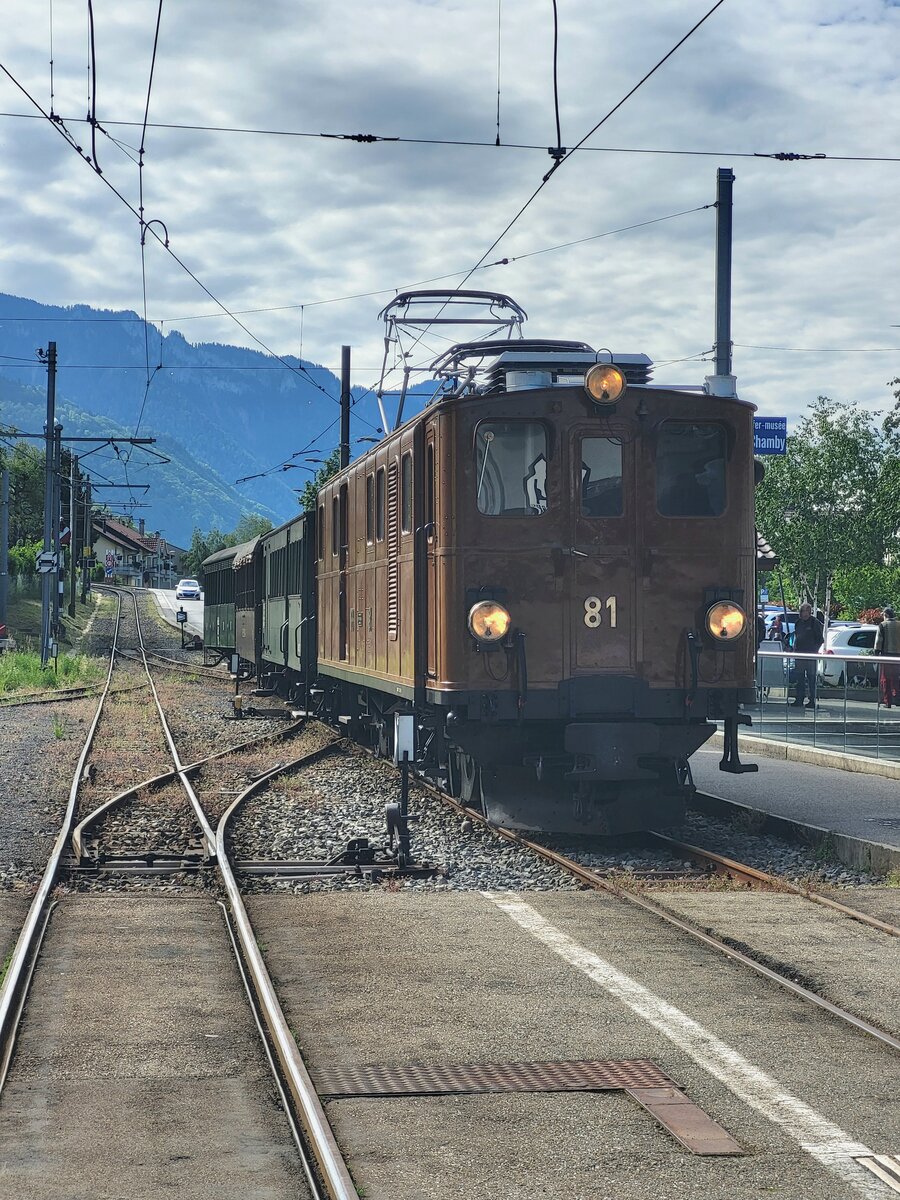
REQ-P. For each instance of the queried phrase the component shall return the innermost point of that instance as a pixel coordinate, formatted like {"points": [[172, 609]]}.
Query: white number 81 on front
{"points": [[593, 611]]}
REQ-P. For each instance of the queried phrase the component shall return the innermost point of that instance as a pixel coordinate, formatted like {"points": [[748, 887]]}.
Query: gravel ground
{"points": [[312, 814]]}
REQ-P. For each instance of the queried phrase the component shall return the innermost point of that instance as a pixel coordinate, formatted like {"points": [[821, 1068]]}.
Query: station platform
{"points": [[856, 809]]}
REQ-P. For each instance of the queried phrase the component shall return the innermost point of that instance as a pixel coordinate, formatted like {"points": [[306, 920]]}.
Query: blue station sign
{"points": [[770, 435]]}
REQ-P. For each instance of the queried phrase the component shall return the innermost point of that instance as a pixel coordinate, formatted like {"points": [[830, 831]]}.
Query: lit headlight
{"points": [[604, 383], [488, 621], [725, 621]]}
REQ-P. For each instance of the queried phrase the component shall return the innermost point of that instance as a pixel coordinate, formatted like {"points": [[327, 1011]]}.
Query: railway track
{"points": [[613, 885], [326, 1172]]}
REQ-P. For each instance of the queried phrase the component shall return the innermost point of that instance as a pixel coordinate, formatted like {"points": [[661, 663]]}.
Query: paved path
{"points": [[168, 606]]}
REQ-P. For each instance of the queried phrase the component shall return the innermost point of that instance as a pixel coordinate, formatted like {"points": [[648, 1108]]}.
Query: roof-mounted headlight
{"points": [[488, 622], [725, 621], [604, 383]]}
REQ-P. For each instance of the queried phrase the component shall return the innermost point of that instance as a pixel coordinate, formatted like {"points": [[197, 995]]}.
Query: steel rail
{"points": [[757, 878], [599, 883], [258, 1021], [334, 1170], [335, 1173], [167, 777], [16, 971]]}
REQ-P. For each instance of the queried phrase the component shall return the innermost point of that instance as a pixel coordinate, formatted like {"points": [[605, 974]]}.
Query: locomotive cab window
{"points": [[690, 469], [601, 477], [511, 468]]}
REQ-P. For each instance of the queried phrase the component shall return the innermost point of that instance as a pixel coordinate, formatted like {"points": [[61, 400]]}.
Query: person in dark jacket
{"points": [[887, 642], [807, 640]]}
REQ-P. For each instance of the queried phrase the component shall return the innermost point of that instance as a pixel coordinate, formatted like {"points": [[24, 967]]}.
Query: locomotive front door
{"points": [[603, 564]]}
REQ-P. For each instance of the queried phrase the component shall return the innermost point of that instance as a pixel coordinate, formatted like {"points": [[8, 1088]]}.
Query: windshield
{"points": [[690, 470], [511, 468], [601, 477]]}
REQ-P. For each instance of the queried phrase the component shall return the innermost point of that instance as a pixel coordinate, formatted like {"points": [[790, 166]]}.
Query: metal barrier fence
{"points": [[850, 710]]}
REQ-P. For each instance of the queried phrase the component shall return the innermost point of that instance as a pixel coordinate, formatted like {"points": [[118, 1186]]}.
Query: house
{"points": [[134, 557]]}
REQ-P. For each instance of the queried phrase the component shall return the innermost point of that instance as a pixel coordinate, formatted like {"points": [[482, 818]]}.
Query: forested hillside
{"points": [[220, 412]]}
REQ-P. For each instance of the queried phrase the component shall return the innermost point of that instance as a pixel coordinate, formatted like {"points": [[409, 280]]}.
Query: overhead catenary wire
{"points": [[59, 126], [476, 143], [141, 152], [500, 262]]}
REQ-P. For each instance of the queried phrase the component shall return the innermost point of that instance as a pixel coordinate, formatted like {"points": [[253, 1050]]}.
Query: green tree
{"points": [[330, 467], [831, 505]]}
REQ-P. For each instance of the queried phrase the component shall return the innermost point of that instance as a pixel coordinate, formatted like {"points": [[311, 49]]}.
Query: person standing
{"points": [[807, 640], [887, 641]]}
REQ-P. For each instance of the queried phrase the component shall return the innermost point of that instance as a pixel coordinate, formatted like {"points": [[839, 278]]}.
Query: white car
{"points": [[188, 589], [851, 642]]}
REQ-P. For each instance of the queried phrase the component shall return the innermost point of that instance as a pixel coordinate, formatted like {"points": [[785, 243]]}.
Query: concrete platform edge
{"points": [[858, 853]]}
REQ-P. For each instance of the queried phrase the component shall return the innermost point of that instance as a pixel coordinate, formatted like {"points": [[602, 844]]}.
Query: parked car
{"points": [[851, 642], [187, 589]]}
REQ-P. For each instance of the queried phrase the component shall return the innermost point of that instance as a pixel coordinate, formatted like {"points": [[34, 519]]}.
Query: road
{"points": [[169, 606]]}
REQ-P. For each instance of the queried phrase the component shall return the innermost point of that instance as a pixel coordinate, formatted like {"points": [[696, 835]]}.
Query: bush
{"points": [[871, 616], [23, 670]]}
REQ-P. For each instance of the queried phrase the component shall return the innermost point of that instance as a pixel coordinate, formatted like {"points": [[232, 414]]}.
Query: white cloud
{"points": [[268, 221]]}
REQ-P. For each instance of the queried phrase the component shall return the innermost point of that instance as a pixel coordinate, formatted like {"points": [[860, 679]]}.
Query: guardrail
{"points": [[850, 714]]}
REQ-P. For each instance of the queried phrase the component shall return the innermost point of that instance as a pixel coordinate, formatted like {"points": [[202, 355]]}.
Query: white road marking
{"points": [[826, 1142]]}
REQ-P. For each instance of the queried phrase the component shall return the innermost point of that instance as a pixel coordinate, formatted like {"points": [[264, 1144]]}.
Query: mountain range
{"points": [[218, 412]]}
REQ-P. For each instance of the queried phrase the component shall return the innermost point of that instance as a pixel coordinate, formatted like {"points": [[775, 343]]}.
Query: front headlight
{"points": [[488, 621], [604, 383], [725, 621]]}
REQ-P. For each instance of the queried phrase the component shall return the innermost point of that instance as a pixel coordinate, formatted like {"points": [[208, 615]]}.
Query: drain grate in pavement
{"points": [[641, 1078]]}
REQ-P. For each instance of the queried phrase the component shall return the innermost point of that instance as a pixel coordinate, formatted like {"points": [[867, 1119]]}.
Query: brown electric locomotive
{"points": [[552, 567]]}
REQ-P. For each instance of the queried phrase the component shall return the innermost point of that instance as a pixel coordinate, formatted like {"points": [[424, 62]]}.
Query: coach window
{"points": [[511, 468], [370, 509], [321, 531], [379, 505], [690, 469], [335, 528], [406, 494], [601, 477]]}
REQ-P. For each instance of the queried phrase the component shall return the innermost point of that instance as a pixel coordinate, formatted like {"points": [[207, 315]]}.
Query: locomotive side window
{"points": [[321, 532], [511, 468], [370, 509], [429, 492], [601, 477], [406, 494], [379, 505], [335, 528], [690, 469]]}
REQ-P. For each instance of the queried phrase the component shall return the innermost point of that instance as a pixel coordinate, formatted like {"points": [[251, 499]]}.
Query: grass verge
{"points": [[22, 671]]}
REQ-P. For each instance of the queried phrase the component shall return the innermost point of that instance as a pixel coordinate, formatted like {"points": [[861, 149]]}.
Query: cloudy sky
{"points": [[272, 222]]}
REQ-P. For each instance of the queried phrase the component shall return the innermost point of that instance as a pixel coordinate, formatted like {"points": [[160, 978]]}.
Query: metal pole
{"points": [[88, 540], [73, 532], [722, 383], [46, 581], [4, 545], [345, 406], [57, 513]]}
